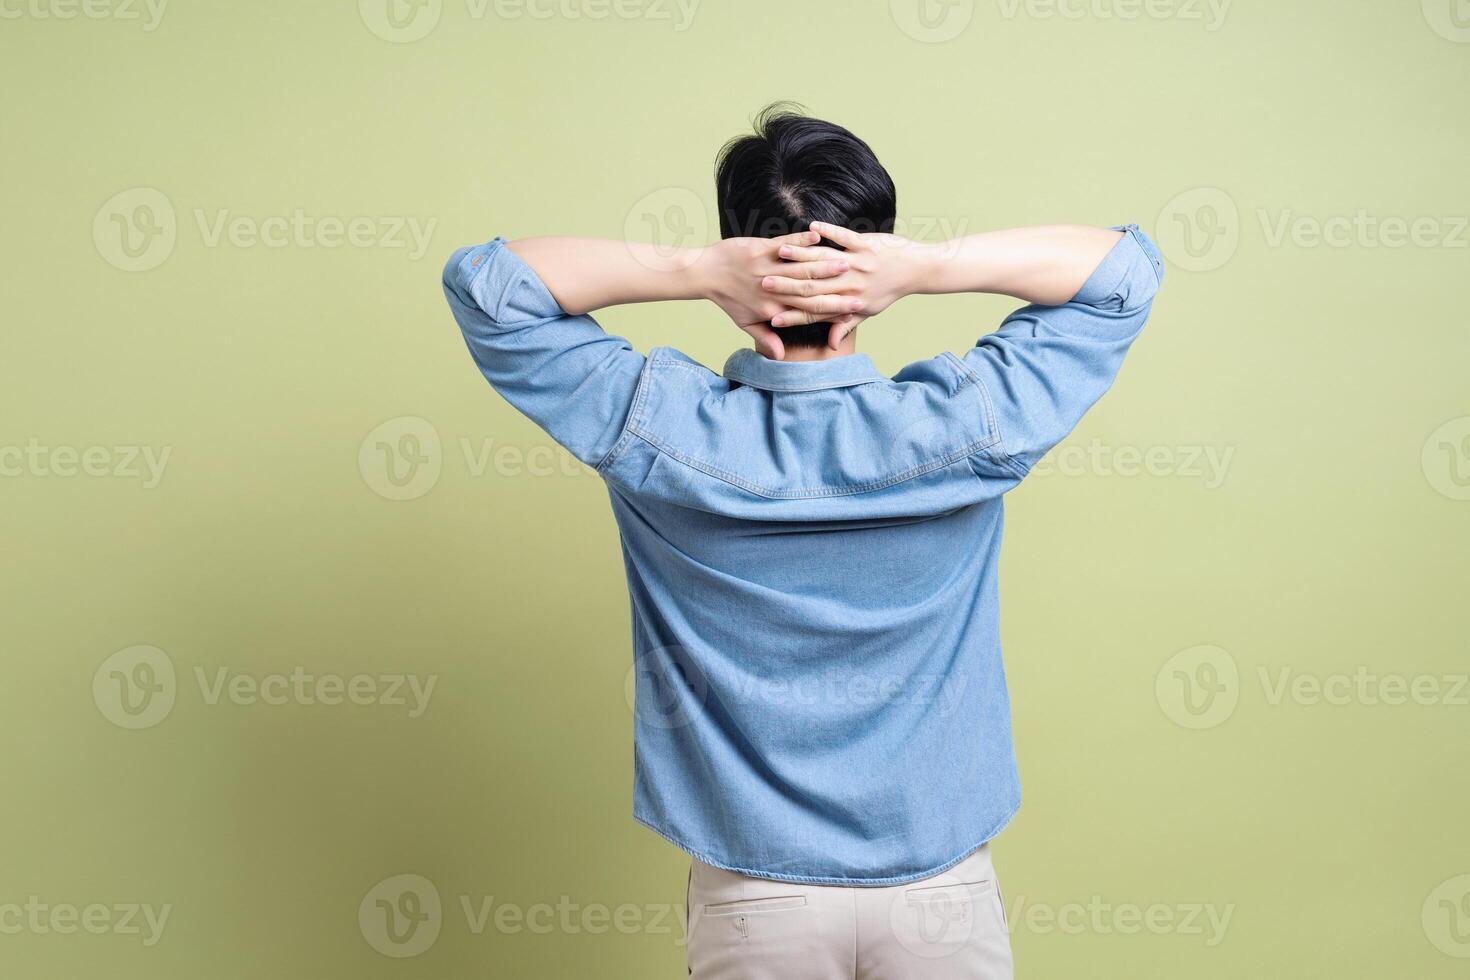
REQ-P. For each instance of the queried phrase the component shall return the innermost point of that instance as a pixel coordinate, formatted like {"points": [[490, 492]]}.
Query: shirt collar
{"points": [[750, 368]]}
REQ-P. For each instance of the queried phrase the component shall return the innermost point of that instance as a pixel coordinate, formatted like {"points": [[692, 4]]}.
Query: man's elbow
{"points": [[453, 277]]}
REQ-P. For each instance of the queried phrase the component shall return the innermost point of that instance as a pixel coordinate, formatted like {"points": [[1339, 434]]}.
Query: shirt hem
{"points": [[833, 880]]}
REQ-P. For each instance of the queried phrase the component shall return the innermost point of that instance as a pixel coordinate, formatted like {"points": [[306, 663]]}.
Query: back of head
{"points": [[795, 170]]}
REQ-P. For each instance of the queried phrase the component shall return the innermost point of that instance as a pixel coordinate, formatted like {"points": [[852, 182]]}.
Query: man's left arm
{"points": [[558, 369]]}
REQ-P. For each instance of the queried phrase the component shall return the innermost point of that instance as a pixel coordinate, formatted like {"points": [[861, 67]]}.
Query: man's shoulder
{"points": [[673, 357], [684, 402], [719, 436], [944, 372]]}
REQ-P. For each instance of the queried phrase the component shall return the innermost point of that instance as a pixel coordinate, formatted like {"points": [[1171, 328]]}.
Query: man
{"points": [[822, 719]]}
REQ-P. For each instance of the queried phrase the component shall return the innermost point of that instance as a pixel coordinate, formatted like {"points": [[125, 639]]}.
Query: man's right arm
{"points": [[1045, 265]]}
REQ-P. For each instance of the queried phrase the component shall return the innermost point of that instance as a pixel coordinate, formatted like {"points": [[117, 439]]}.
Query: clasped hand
{"points": [[764, 284]]}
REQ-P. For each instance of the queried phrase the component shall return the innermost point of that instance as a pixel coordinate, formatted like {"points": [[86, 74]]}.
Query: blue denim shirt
{"points": [[811, 553]]}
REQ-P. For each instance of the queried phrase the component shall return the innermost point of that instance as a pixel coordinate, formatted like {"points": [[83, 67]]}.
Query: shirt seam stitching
{"points": [[1136, 233], [1004, 457], [696, 368], [809, 492], [1115, 291], [626, 436], [737, 377]]}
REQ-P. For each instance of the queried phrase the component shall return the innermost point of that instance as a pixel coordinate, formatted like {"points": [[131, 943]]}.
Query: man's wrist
{"points": [[921, 270], [698, 276]]}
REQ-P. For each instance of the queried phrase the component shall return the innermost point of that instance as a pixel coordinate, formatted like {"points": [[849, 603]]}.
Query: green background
{"points": [[1334, 833]]}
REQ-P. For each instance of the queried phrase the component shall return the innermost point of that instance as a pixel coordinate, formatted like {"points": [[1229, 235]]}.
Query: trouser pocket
{"points": [[745, 928]]}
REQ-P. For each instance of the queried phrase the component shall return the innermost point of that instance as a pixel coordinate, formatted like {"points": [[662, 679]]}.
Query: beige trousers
{"points": [[948, 927]]}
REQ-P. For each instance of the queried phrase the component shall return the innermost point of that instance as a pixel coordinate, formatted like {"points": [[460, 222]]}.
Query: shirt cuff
{"points": [[500, 283], [1128, 275]]}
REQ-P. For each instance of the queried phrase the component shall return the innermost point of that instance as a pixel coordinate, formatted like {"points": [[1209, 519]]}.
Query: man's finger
{"points": [[767, 341], [797, 238], [845, 237], [823, 269], [795, 253], [828, 303], [814, 309], [793, 318], [841, 328], [797, 283]]}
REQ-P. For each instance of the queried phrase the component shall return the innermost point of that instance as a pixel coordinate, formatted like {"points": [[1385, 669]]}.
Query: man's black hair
{"points": [[795, 170]]}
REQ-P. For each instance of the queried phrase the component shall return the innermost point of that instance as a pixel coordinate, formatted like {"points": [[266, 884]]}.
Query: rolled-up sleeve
{"points": [[562, 372], [1047, 365]]}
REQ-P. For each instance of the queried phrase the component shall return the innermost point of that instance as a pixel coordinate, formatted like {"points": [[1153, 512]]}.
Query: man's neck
{"points": [[824, 353]]}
